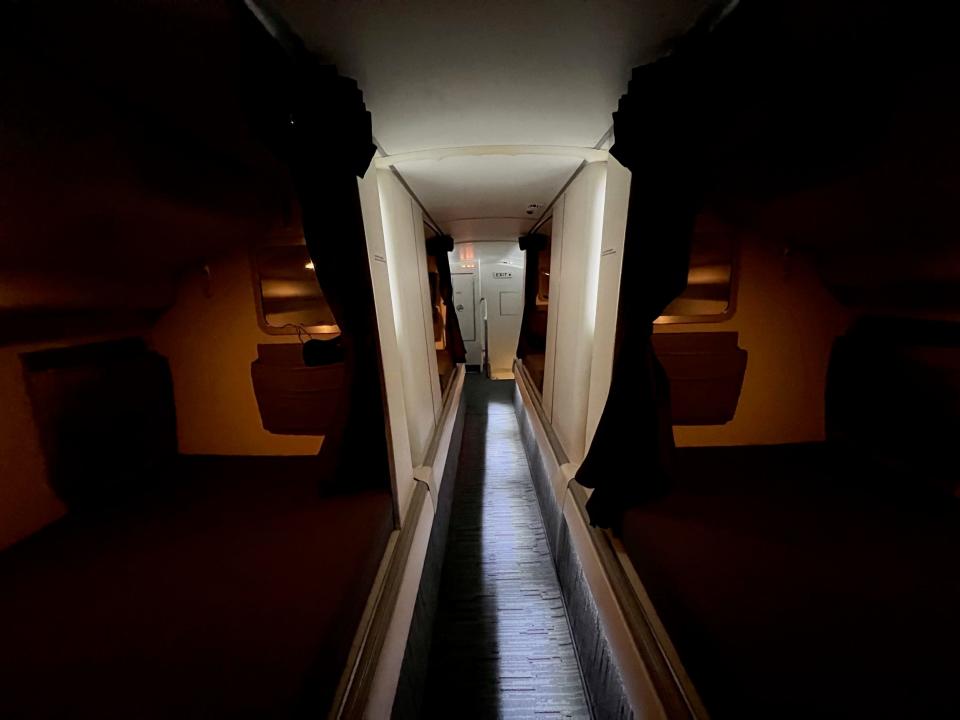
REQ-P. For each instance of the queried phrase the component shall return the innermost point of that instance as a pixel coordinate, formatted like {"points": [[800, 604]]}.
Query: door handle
{"points": [[459, 308]]}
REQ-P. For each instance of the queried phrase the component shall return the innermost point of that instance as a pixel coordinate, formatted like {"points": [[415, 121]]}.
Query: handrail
{"points": [[485, 347]]}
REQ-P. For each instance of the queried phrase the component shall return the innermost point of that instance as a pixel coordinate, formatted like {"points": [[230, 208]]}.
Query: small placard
{"points": [[511, 303]]}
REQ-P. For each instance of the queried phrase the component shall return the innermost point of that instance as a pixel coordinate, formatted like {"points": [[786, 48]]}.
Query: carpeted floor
{"points": [[502, 645]]}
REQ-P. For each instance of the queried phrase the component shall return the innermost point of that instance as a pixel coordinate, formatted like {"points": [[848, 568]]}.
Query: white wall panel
{"points": [[392, 370], [501, 285], [556, 274], [616, 200], [410, 296], [573, 301]]}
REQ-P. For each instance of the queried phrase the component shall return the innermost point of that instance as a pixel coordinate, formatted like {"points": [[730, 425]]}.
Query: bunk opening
{"points": [[777, 569], [169, 565]]}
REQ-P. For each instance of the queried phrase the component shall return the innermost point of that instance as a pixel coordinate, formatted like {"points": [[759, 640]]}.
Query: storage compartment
{"points": [[295, 399], [706, 375]]}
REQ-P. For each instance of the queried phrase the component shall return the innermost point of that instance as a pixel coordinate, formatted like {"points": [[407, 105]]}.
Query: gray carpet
{"points": [[501, 643]]}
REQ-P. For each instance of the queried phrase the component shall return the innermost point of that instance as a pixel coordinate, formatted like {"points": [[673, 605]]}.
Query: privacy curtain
{"points": [[316, 123], [660, 128], [438, 247], [529, 342]]}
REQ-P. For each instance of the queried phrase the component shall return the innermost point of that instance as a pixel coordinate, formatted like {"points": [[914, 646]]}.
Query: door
{"points": [[501, 284], [464, 302]]}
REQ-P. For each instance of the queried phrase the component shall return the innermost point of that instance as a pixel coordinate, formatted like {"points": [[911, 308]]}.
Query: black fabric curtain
{"points": [[315, 122], [438, 247], [529, 342], [660, 137]]}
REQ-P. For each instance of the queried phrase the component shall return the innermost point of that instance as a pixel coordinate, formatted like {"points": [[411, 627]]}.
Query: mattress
{"points": [[234, 591], [797, 583]]}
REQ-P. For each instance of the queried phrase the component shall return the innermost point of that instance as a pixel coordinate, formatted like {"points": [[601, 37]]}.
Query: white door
{"points": [[501, 284], [464, 301]]}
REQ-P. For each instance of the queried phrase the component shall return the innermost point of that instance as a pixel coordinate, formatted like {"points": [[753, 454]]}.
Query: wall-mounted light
{"points": [[308, 266]]}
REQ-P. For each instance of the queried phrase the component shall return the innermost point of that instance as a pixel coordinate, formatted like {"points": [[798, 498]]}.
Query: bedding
{"points": [[799, 582]]}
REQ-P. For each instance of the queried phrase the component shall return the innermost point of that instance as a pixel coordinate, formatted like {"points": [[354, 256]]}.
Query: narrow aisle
{"points": [[501, 643]]}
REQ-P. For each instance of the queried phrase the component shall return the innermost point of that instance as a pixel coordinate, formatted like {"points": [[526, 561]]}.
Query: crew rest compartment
{"points": [[431, 360]]}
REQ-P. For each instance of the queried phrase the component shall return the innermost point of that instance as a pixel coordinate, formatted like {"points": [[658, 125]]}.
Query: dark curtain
{"points": [[660, 128], [315, 122], [438, 247], [529, 342]]}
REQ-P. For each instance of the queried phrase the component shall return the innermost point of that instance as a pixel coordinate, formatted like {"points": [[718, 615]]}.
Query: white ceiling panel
{"points": [[487, 229], [442, 74], [437, 73], [497, 186]]}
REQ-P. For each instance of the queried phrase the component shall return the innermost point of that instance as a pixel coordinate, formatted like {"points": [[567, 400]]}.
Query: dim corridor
{"points": [[501, 642]]}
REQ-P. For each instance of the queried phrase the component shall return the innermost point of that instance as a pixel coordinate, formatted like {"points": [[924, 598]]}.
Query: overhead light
{"points": [[308, 266]]}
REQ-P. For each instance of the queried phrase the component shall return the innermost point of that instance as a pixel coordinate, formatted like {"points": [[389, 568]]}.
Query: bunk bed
{"points": [[821, 580], [790, 589], [179, 586]]}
